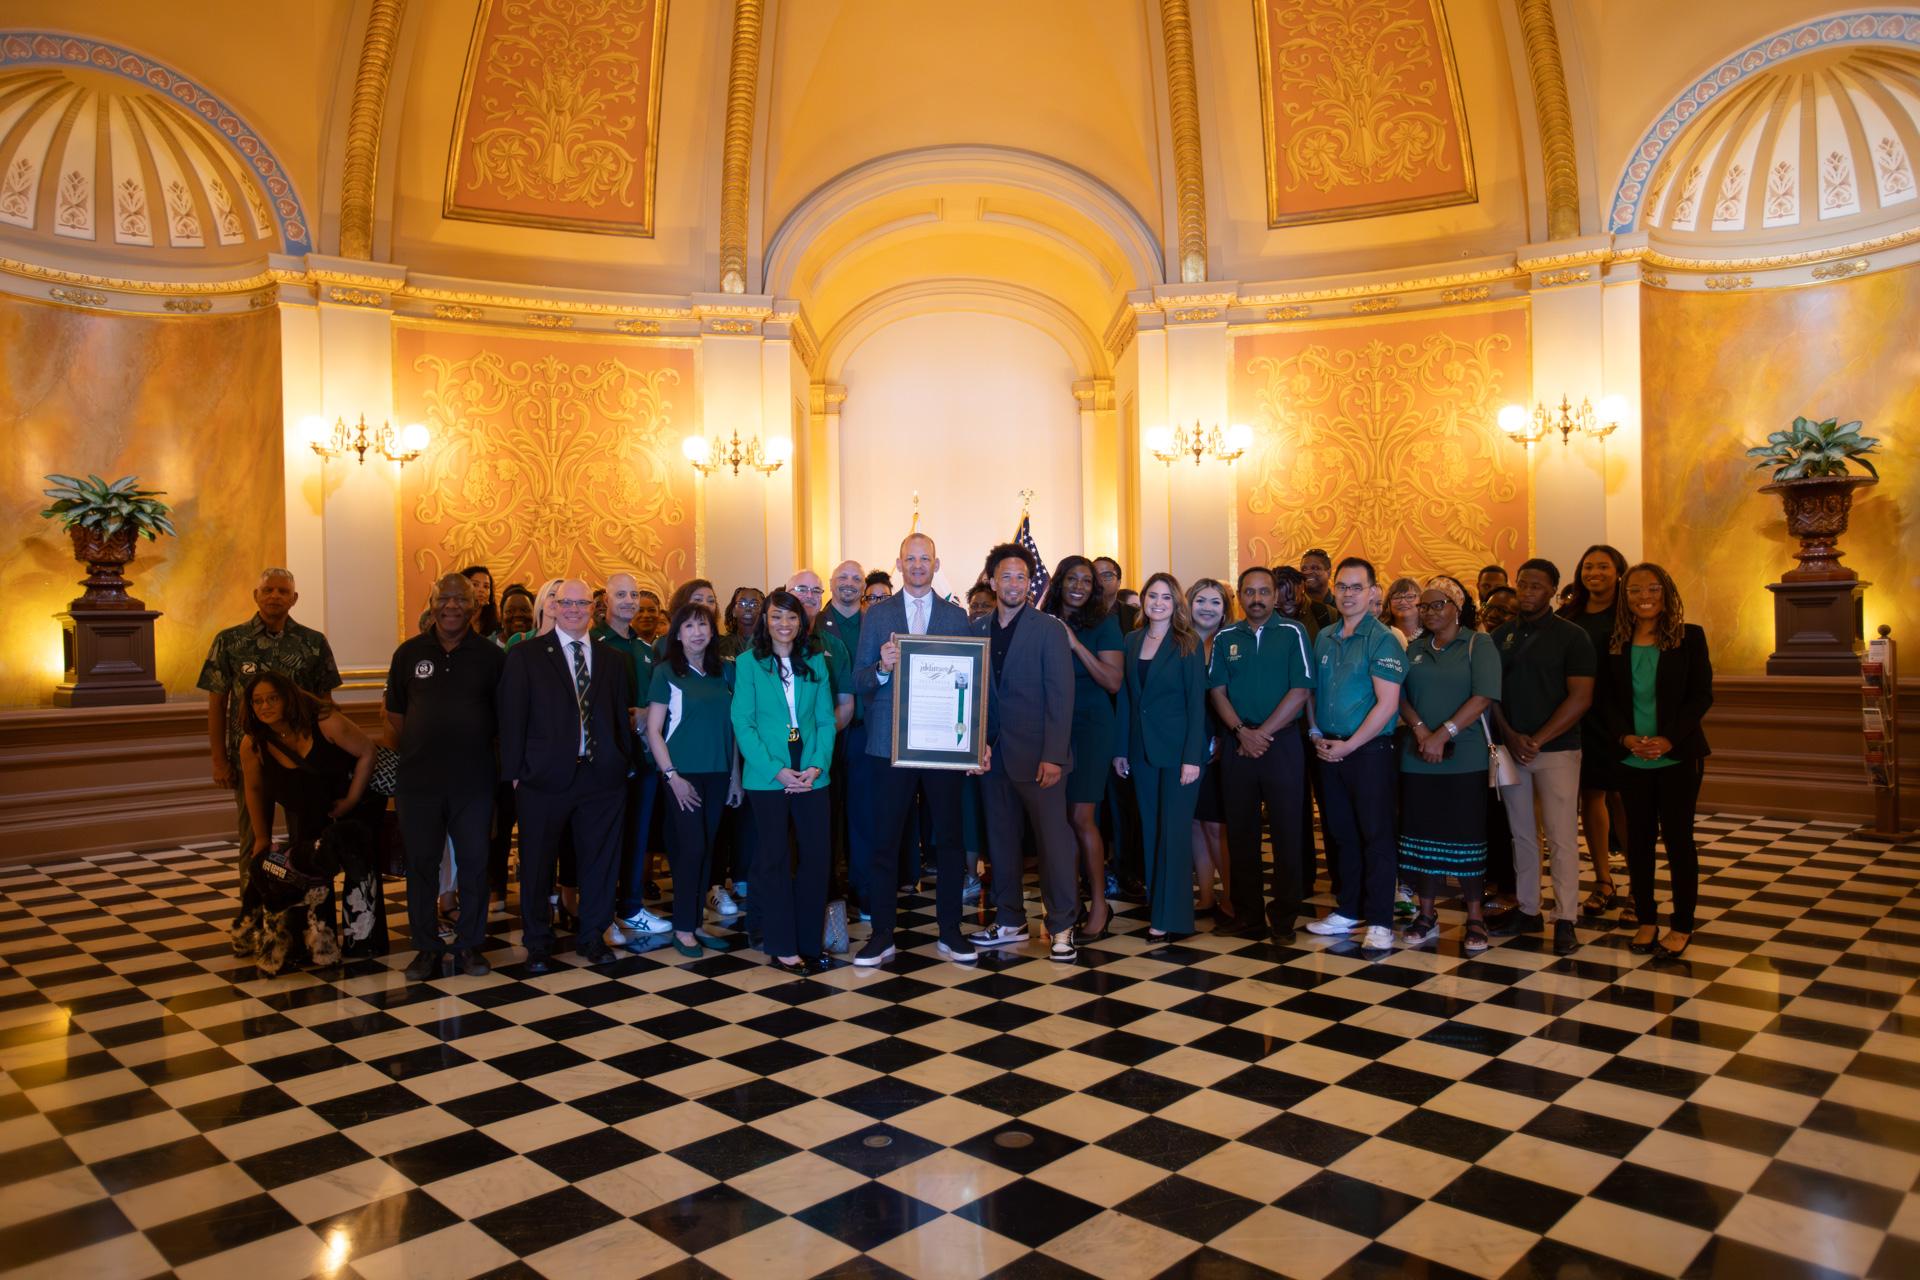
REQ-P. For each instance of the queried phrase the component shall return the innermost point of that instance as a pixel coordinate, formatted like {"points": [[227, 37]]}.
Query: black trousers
{"points": [[891, 792], [643, 790], [1010, 800], [790, 866], [690, 841], [500, 842], [1361, 805], [1277, 780], [593, 810], [1663, 799], [428, 820]]}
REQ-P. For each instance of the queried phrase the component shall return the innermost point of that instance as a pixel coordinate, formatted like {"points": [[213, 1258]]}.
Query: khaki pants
{"points": [[1552, 782]]}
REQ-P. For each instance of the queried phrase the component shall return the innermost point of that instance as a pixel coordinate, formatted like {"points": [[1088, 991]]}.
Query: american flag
{"points": [[1024, 537]]}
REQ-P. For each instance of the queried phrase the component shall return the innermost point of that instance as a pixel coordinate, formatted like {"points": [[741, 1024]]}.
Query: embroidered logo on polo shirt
{"points": [[423, 668], [1233, 651]]}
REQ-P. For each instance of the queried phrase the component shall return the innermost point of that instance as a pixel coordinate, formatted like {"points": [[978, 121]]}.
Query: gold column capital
{"points": [[363, 128], [743, 79], [1554, 112], [1183, 109]]}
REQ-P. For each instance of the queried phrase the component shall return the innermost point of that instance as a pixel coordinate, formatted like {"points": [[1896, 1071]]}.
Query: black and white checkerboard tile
{"points": [[1210, 1109]]}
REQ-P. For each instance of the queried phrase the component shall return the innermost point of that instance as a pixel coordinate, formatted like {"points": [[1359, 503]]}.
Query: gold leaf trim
{"points": [[1571, 275], [34, 271], [1373, 306], [634, 326], [1343, 292], [1658, 279], [543, 320], [453, 311], [1554, 112], [78, 297], [1120, 333], [363, 128], [1183, 111], [188, 306], [731, 326], [1729, 282], [1288, 313], [1195, 315], [265, 298], [1471, 293], [1840, 270], [736, 156], [356, 297]]}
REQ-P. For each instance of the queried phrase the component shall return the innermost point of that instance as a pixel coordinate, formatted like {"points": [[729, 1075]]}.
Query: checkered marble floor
{"points": [[1209, 1109]]}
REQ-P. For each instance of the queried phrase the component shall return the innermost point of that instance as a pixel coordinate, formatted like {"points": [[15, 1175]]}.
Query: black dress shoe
{"points": [[601, 954], [816, 964], [1284, 937], [424, 965], [1511, 924], [538, 962], [471, 963], [1646, 948], [1241, 929], [798, 968]]}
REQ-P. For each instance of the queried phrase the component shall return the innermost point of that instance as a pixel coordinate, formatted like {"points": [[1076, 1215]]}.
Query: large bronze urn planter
{"points": [[1819, 609], [105, 558], [1817, 510]]}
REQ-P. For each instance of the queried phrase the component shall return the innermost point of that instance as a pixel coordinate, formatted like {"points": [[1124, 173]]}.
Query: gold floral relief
{"points": [[549, 457], [1361, 107], [1379, 440], [559, 115]]}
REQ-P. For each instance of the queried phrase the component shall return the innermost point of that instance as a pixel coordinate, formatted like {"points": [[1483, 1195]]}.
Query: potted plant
{"points": [[1810, 461], [105, 520]]}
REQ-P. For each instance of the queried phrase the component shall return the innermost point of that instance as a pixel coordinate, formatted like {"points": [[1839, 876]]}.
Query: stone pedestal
{"points": [[1818, 628], [109, 658]]}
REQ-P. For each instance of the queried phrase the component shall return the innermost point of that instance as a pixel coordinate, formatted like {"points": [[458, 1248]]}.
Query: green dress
{"points": [[1094, 721]]}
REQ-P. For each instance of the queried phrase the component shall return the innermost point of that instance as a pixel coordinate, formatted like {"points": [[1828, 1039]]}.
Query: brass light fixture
{"points": [[1524, 428], [359, 440], [735, 454], [1170, 445]]}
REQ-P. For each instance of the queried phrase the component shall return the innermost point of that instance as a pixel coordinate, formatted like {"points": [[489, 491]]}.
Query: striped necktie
{"points": [[581, 680]]}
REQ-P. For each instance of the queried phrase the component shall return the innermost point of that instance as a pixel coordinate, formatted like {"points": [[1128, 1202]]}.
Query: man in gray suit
{"points": [[917, 610], [1030, 746]]}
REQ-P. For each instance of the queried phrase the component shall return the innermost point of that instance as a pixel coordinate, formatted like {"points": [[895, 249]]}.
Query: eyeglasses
{"points": [[807, 591], [1348, 588], [1432, 606], [875, 597], [573, 604]]}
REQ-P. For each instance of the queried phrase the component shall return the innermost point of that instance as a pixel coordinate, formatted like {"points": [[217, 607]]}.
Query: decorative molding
{"points": [[1373, 306], [732, 326], [1873, 26], [1094, 395], [1120, 333], [736, 156], [1770, 262], [189, 306], [1194, 315], [1470, 293], [356, 297], [262, 300], [1729, 282], [1595, 255], [634, 326], [1841, 270], [453, 311], [1554, 112], [363, 128], [805, 345], [530, 302], [1183, 108], [1288, 313], [42, 48], [1339, 293], [545, 320], [1658, 279], [78, 297], [1570, 275]]}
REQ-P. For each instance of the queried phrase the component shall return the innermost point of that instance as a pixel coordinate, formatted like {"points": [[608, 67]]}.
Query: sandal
{"points": [[1476, 937], [1421, 930], [1602, 899]]}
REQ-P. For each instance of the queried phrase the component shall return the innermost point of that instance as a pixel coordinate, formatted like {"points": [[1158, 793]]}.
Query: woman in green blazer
{"points": [[783, 722], [1161, 745]]}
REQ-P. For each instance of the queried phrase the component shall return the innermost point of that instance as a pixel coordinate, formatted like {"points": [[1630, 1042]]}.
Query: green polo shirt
{"points": [[1537, 656], [238, 654], [639, 662], [699, 729], [1258, 669], [1343, 695], [839, 654], [1439, 682]]}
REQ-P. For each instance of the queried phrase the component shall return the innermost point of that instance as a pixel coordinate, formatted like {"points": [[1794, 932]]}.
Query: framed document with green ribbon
{"points": [[940, 702]]}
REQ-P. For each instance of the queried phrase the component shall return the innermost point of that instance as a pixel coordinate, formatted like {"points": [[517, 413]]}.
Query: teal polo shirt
{"points": [[639, 662], [1258, 669], [846, 630], [1347, 665]]}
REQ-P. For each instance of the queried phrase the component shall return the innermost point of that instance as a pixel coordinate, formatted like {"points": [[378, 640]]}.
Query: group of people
{"points": [[1444, 736]]}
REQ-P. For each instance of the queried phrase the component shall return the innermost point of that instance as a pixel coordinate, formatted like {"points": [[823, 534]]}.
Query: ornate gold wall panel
{"points": [[1721, 370], [1377, 438], [558, 122], [551, 455], [189, 404], [1361, 109]]}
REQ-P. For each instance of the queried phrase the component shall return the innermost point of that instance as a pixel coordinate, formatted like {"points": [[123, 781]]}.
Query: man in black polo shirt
{"points": [[440, 701], [1546, 682]]}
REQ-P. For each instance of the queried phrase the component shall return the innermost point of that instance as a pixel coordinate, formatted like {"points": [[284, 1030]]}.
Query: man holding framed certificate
{"points": [[920, 677]]}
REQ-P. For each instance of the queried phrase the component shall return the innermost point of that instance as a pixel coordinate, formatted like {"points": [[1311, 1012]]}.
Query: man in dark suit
{"points": [[1030, 749], [917, 610], [566, 744]]}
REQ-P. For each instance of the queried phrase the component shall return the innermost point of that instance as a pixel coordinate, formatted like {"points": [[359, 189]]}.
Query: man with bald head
{"points": [[632, 921], [566, 744], [916, 609]]}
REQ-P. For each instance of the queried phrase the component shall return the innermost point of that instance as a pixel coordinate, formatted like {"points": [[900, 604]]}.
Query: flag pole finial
{"points": [[1026, 501], [915, 526]]}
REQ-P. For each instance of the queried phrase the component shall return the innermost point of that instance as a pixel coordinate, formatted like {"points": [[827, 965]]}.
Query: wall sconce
{"points": [[1202, 443], [699, 451], [1525, 429], [358, 440]]}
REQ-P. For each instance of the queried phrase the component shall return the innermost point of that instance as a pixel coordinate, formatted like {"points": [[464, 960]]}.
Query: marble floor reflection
{"points": [[1214, 1108]]}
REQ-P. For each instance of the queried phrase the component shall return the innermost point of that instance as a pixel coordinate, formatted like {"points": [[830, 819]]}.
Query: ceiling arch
{"points": [[924, 297]]}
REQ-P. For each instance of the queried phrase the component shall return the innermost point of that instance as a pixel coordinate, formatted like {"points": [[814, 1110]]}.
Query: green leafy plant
{"points": [[1810, 449], [108, 508]]}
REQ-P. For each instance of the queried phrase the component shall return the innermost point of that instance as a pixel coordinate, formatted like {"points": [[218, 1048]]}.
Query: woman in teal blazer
{"points": [[1162, 744], [783, 721]]}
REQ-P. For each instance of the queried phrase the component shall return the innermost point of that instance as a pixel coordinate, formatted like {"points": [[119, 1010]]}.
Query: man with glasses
{"points": [[633, 923], [566, 744], [1350, 718], [1259, 680]]}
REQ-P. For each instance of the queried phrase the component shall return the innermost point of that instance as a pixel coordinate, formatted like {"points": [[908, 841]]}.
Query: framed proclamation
{"points": [[940, 702]]}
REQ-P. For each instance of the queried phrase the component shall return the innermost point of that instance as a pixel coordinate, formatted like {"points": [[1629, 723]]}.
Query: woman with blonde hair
{"points": [[1161, 744], [1210, 604], [1654, 688]]}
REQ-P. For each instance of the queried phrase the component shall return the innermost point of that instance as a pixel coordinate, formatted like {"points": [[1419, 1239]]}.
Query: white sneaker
{"points": [[644, 923], [722, 902], [1333, 922], [1379, 938], [1062, 948], [1000, 935]]}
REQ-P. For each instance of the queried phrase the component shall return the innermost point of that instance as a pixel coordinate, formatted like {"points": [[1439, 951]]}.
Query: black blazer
{"points": [[1682, 692], [1164, 723], [540, 721], [1030, 704]]}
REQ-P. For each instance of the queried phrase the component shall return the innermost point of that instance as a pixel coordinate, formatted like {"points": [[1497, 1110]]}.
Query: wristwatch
{"points": [[1453, 730], [668, 773]]}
